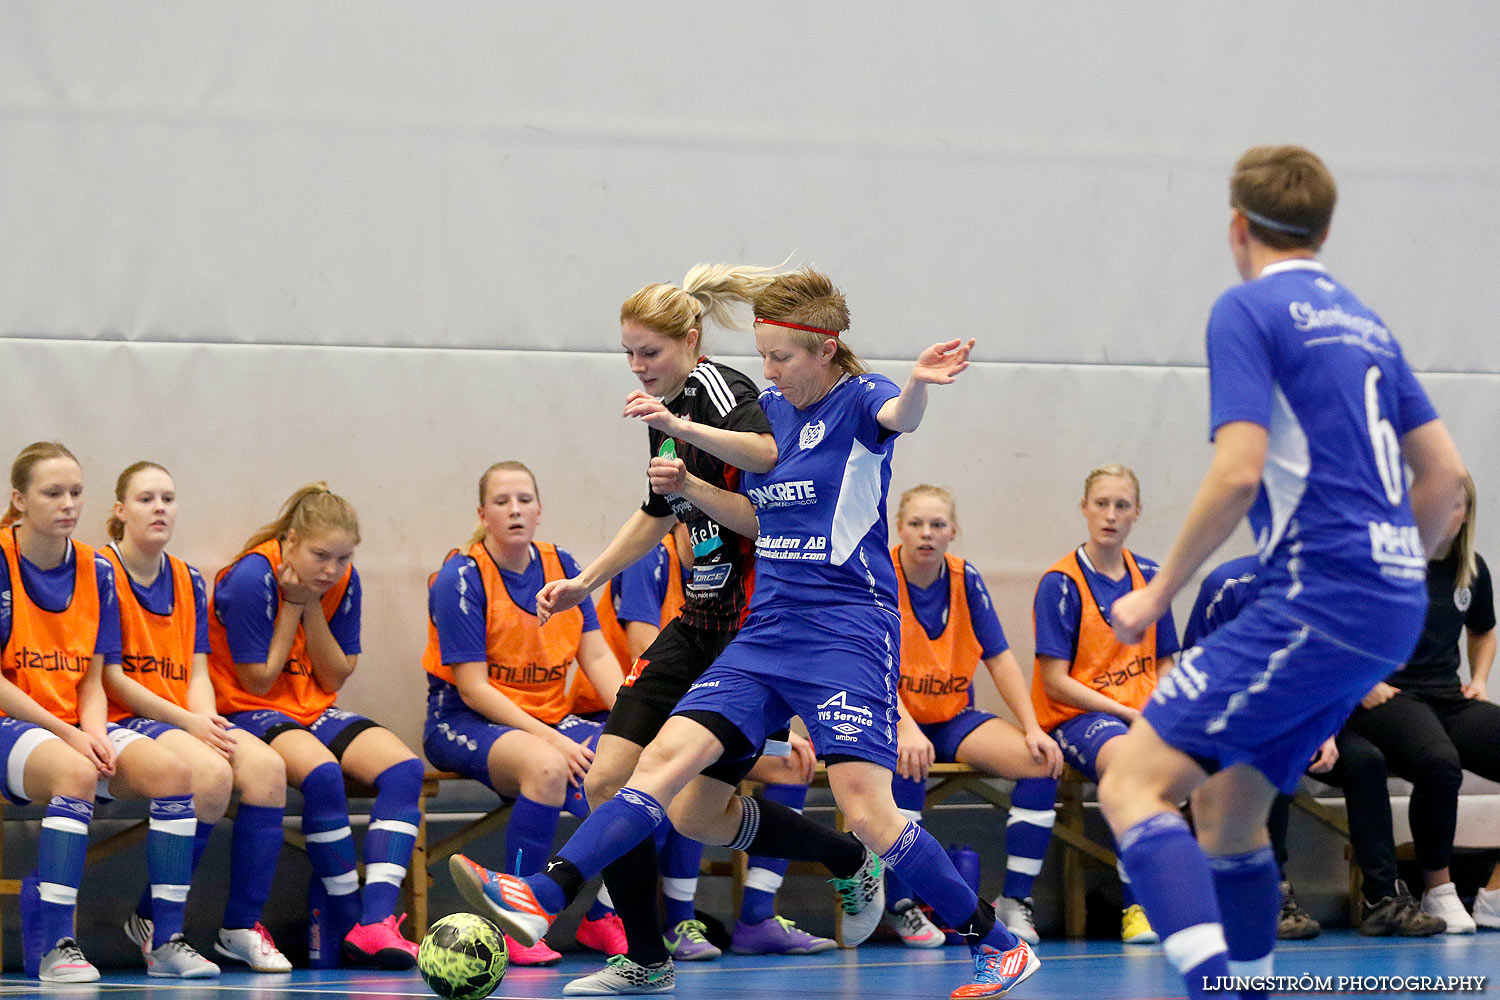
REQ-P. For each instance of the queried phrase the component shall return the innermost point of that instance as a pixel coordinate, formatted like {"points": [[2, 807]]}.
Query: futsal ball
{"points": [[462, 957]]}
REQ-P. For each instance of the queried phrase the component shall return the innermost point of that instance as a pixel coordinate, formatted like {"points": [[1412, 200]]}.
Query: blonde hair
{"points": [[810, 298], [114, 525], [927, 490], [708, 290], [1116, 470], [484, 482], [20, 471], [312, 510], [1463, 542], [1286, 195]]}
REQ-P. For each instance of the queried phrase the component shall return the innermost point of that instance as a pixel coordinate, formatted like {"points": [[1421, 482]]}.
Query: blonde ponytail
{"points": [[711, 291]]}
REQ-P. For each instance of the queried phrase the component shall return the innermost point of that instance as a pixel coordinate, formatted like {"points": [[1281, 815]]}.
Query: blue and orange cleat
{"points": [[996, 971], [505, 899]]}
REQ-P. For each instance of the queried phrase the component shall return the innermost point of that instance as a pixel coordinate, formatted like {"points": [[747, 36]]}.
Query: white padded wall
{"points": [[449, 203]]}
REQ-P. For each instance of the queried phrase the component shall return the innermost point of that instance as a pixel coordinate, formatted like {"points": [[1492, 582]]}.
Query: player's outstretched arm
{"points": [[1437, 484], [1224, 497], [637, 536], [940, 364]]}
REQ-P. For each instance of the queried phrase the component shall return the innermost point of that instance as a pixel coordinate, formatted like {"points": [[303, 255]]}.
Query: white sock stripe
{"points": [[1263, 966], [65, 824], [394, 826], [764, 880], [170, 893], [329, 836], [915, 815], [680, 889], [1035, 817], [604, 898], [1192, 946], [184, 827], [385, 871], [56, 892], [342, 885], [1120, 869], [1023, 866]]}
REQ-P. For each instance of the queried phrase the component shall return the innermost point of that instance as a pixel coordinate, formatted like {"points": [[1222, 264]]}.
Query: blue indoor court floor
{"points": [[1093, 970]]}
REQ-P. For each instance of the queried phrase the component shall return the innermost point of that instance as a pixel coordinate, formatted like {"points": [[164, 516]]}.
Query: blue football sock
{"points": [[528, 836], [614, 828], [330, 842], [910, 795], [61, 847], [1172, 882], [681, 858], [764, 875], [945, 890], [254, 849], [393, 830], [169, 863], [1248, 887], [1028, 830]]}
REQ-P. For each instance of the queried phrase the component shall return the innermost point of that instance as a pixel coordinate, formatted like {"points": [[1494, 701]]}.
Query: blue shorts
{"points": [[335, 728], [147, 727], [836, 669], [18, 739], [1082, 737], [1264, 690], [460, 739], [946, 736]]}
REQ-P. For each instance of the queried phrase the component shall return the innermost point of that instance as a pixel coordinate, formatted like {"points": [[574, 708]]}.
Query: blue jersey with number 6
{"points": [[1297, 353]]}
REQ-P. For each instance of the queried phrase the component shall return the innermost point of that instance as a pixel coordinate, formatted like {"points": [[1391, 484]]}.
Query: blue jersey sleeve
{"points": [[1240, 384], [108, 642], [1058, 611], [878, 390], [246, 600], [982, 612], [457, 603], [345, 621], [1413, 408], [200, 611], [1198, 624], [570, 567], [641, 589], [5, 599]]}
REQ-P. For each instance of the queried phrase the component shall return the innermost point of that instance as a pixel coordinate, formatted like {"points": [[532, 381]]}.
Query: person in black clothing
{"points": [[1431, 726], [707, 417]]}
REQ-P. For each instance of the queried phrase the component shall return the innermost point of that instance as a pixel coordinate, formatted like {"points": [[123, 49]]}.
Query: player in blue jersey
{"points": [[1313, 412], [1228, 589], [821, 641]]}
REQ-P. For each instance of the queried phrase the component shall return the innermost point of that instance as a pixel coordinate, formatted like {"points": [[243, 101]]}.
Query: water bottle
{"points": [[324, 944], [966, 860], [668, 449]]}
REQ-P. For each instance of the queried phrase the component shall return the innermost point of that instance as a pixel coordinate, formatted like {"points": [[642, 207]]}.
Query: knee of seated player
{"points": [[545, 777], [1438, 768], [66, 773], [154, 772], [259, 774], [213, 780]]}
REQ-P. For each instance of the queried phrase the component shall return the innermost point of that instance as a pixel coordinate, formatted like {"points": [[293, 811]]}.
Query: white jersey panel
{"points": [[858, 508]]}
